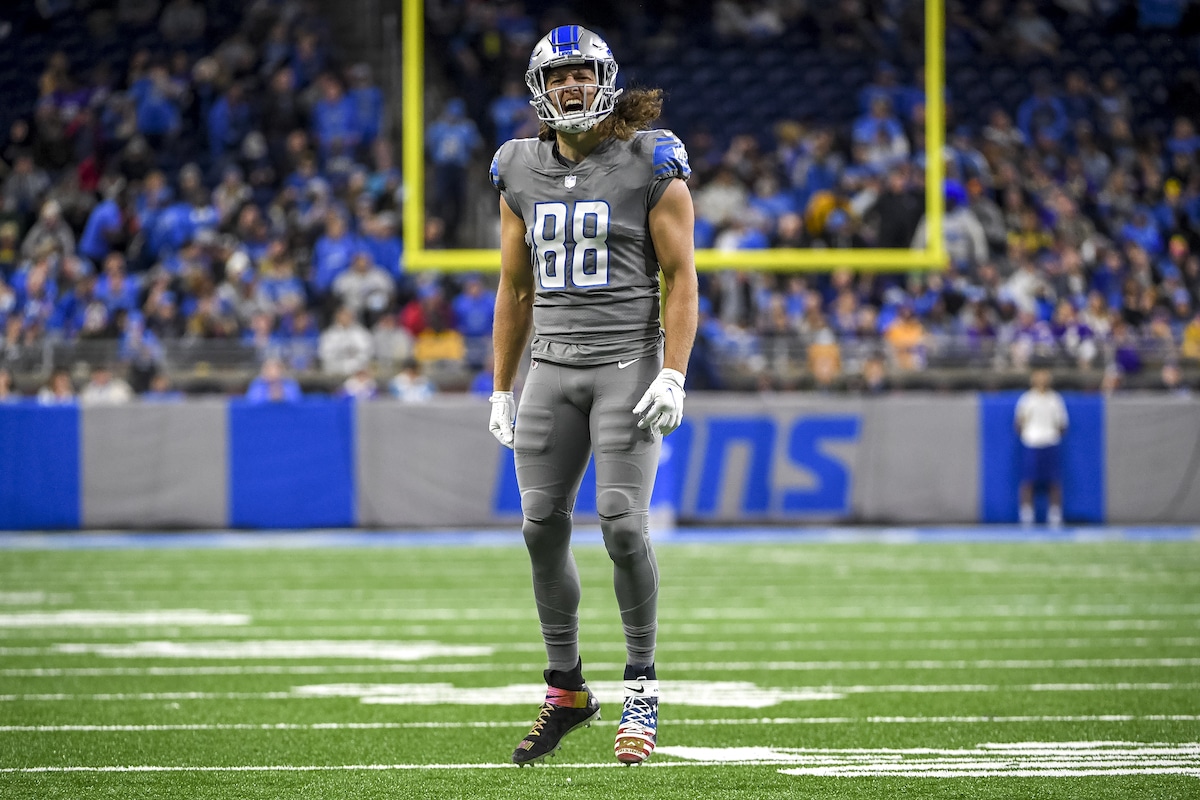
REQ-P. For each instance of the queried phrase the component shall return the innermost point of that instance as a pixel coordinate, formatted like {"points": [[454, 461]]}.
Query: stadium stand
{"points": [[191, 188]]}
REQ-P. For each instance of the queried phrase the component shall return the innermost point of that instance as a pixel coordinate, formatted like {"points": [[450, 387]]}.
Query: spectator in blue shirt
{"points": [[335, 119], [154, 195], [451, 141], [1183, 139], [229, 121], [71, 311], [511, 111], [367, 100], [114, 288], [385, 247], [37, 296], [158, 115], [474, 310], [880, 119], [885, 85], [879, 138], [1043, 114], [770, 200], [333, 252], [273, 385], [105, 225], [1143, 231], [819, 168]]}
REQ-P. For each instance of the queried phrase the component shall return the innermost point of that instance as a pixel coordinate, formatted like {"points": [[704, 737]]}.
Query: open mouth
{"points": [[572, 105]]}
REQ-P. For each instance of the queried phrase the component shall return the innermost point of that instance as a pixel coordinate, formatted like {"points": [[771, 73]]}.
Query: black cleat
{"points": [[563, 712]]}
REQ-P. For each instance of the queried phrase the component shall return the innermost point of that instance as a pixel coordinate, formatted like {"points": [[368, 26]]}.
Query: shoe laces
{"points": [[542, 718], [640, 713]]}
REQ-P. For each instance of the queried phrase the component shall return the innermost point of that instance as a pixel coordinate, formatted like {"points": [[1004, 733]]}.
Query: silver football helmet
{"points": [[565, 46]]}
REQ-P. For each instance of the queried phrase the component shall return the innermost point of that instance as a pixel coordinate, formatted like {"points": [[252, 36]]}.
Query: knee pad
{"points": [[545, 520], [625, 536]]}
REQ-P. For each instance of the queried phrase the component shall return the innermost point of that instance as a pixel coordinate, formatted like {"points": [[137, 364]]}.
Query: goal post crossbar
{"points": [[933, 257]]}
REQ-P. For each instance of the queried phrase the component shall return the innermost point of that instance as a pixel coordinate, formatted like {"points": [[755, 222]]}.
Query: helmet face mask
{"points": [[565, 46]]}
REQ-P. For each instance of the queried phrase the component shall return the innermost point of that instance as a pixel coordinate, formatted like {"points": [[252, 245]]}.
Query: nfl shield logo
{"points": [[569, 182]]}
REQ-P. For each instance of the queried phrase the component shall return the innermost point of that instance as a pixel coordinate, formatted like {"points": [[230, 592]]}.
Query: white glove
{"points": [[661, 406], [504, 408]]}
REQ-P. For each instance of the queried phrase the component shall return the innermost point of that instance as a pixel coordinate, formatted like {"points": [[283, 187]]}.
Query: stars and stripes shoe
{"points": [[638, 731], [563, 711]]}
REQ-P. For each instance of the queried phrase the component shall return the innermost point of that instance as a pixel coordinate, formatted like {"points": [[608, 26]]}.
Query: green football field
{"points": [[789, 669]]}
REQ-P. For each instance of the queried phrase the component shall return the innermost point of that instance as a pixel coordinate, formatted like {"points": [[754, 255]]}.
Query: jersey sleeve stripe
{"points": [[670, 157], [494, 171]]}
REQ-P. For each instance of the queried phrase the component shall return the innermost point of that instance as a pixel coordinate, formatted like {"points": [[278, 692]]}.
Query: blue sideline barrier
{"points": [[298, 465], [291, 465], [1083, 452], [39, 467]]}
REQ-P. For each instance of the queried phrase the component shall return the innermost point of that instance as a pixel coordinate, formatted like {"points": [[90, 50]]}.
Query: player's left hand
{"points": [[661, 406], [504, 408]]}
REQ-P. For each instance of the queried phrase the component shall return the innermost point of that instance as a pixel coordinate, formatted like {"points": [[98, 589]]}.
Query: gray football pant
{"points": [[565, 414]]}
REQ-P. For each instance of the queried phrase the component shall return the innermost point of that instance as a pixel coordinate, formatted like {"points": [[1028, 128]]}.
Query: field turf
{"points": [[790, 669]]}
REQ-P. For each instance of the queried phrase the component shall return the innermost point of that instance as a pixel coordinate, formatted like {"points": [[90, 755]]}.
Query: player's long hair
{"points": [[634, 111]]}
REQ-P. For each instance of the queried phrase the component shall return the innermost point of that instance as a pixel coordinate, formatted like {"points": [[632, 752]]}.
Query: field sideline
{"points": [[835, 663]]}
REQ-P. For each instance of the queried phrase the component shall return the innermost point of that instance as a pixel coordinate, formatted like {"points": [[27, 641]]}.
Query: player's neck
{"points": [[577, 146]]}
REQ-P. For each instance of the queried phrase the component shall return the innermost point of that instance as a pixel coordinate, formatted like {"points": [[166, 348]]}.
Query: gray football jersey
{"points": [[597, 298]]}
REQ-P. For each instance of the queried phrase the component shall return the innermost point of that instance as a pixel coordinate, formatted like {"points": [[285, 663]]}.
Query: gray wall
{"points": [[1153, 459], [745, 458]]}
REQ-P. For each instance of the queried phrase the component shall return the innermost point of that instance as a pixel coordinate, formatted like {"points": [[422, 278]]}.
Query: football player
{"points": [[590, 212]]}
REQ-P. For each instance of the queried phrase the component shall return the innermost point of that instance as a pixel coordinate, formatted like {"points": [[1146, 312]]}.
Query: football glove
{"points": [[504, 408], [661, 407]]}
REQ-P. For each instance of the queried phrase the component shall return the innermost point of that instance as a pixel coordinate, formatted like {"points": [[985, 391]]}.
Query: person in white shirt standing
{"points": [[1041, 420]]}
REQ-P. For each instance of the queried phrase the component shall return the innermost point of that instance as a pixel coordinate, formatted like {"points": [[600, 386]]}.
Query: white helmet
{"points": [[564, 46]]}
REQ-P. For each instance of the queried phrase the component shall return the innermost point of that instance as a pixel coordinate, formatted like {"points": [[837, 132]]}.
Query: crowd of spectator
{"points": [[230, 187], [239, 187]]}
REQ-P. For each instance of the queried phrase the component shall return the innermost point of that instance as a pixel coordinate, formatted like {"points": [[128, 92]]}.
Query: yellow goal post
{"points": [[933, 257]]}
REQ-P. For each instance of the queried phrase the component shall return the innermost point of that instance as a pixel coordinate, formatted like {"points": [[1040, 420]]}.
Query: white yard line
{"points": [[372, 726], [748, 628], [90, 618], [267, 669], [1078, 643], [1020, 759], [220, 650], [858, 689], [871, 610], [678, 667], [407, 612], [1011, 759]]}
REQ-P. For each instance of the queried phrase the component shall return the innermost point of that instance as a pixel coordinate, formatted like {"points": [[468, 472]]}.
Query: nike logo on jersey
{"points": [[624, 364]]}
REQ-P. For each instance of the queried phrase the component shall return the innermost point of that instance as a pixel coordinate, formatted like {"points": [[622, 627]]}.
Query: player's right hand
{"points": [[504, 409], [661, 407]]}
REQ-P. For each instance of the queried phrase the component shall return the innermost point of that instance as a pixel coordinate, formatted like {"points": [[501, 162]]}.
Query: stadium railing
{"points": [[943, 362]]}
